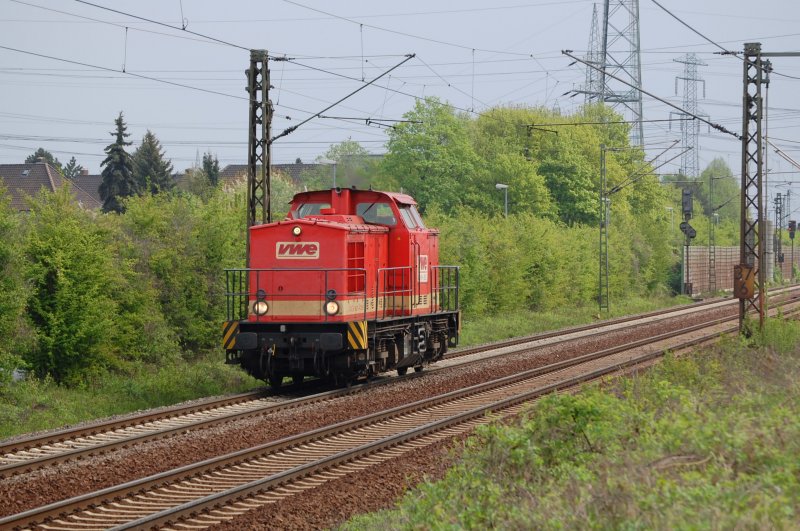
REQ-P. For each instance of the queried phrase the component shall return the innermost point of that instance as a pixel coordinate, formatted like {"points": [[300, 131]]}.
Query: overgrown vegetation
{"points": [[704, 442], [88, 297], [40, 403]]}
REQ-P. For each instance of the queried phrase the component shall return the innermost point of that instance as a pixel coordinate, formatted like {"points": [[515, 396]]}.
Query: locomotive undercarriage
{"points": [[273, 352]]}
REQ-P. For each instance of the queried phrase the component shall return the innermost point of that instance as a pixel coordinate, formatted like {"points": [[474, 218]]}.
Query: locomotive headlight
{"points": [[331, 307], [296, 230], [260, 308]]}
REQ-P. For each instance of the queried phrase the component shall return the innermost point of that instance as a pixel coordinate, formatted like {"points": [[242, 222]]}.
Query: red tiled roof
{"points": [[90, 184], [23, 180]]}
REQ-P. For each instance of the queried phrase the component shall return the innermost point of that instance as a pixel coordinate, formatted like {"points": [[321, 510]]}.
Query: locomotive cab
{"points": [[348, 285]]}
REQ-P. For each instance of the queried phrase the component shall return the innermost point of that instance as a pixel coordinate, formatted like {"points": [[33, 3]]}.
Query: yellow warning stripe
{"points": [[357, 335], [229, 331]]}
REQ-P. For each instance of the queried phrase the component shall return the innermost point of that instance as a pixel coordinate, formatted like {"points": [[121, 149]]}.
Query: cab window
{"points": [[310, 209], [377, 213], [411, 217]]}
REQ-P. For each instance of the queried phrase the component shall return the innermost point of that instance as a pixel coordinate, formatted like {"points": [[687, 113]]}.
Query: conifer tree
{"points": [[72, 168], [118, 181], [151, 170], [211, 168]]}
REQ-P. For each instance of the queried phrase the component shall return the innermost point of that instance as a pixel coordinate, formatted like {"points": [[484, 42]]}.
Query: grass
{"points": [[34, 405], [707, 442], [494, 328]]}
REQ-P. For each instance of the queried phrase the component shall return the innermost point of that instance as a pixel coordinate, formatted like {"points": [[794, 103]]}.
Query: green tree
{"points": [[431, 156], [184, 243], [151, 170], [69, 272], [502, 141], [726, 191], [12, 300], [72, 169], [211, 168], [43, 154], [354, 165], [118, 180]]}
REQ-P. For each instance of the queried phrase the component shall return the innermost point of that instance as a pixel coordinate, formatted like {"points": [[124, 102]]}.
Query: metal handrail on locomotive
{"points": [[347, 286]]}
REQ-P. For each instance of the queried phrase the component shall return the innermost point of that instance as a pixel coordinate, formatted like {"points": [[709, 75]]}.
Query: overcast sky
{"points": [[473, 54]]}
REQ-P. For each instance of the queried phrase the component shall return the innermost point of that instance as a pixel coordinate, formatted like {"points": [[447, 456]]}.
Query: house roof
{"points": [[27, 179], [89, 184]]}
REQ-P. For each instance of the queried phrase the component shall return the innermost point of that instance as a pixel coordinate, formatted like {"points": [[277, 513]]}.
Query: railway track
{"points": [[220, 489], [37, 452]]}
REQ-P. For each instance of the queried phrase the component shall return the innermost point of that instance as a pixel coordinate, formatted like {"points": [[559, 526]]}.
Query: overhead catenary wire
{"points": [[724, 50], [107, 69], [630, 179], [334, 104], [649, 172], [715, 125], [209, 37], [91, 19], [396, 32], [164, 81]]}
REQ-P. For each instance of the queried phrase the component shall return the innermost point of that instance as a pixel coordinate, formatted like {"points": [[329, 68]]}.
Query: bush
{"points": [[12, 325], [704, 442], [525, 262], [70, 270]]}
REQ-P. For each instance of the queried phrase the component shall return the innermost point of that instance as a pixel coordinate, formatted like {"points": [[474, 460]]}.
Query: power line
{"points": [[163, 24], [150, 78], [404, 34], [106, 22], [365, 85], [670, 13], [724, 50], [141, 76], [716, 126]]}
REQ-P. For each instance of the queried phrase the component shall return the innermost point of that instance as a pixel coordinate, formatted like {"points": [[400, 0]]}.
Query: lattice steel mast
{"points": [[753, 223], [593, 90], [690, 129], [778, 231], [258, 143], [602, 295], [621, 52]]}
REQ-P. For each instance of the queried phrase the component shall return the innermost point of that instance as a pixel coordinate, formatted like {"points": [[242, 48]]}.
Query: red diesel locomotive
{"points": [[348, 285]]}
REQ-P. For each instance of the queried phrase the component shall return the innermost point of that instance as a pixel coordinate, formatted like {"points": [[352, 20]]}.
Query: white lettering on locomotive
{"points": [[423, 268], [297, 250]]}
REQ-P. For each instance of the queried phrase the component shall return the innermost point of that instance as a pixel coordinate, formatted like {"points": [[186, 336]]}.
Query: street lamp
{"points": [[333, 163], [504, 188]]}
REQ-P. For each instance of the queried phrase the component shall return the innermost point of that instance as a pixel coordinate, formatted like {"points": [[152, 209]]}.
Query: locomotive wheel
{"points": [[275, 380], [418, 368], [341, 379], [297, 379], [402, 371]]}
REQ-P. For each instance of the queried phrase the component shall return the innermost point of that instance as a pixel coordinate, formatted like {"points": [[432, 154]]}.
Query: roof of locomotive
{"points": [[322, 195]]}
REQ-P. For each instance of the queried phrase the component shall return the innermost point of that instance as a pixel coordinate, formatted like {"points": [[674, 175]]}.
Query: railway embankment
{"points": [[707, 441]]}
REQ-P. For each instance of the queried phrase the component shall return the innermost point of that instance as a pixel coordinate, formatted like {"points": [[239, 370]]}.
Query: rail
{"points": [[228, 479]]}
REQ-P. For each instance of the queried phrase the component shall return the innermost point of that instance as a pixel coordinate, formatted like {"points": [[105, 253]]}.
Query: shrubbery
{"points": [[105, 291], [708, 442], [525, 262], [12, 303]]}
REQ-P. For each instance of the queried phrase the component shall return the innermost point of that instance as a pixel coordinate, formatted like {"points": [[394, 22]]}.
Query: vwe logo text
{"points": [[297, 250]]}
